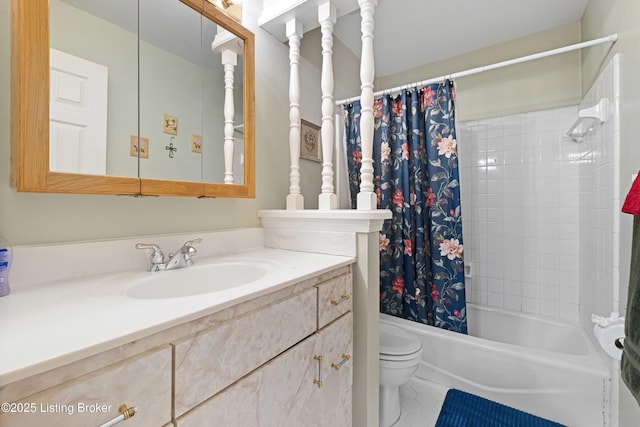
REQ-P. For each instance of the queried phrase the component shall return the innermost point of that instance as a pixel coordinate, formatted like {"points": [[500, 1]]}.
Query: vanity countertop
{"points": [[47, 325]]}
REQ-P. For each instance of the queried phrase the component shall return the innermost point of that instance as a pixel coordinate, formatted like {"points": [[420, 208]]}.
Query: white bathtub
{"points": [[545, 367]]}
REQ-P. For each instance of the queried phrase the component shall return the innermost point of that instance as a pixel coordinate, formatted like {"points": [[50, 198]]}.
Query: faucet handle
{"points": [[191, 242], [157, 257], [188, 246]]}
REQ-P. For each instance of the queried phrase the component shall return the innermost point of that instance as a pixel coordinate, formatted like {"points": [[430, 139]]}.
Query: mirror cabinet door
{"points": [[170, 89], [187, 62], [93, 104], [131, 97]]}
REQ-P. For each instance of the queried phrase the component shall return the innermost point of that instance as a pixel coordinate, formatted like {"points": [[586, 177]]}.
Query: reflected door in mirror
{"points": [[78, 114]]}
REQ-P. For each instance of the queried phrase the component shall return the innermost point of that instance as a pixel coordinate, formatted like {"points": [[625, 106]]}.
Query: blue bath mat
{"points": [[462, 409]]}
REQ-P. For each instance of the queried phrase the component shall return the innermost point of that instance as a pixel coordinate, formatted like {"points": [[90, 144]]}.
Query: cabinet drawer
{"points": [[334, 299], [143, 381], [214, 359]]}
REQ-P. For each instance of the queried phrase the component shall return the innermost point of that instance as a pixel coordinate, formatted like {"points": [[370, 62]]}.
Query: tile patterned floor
{"points": [[421, 402]]}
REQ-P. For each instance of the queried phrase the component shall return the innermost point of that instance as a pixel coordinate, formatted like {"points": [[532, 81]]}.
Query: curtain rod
{"points": [[611, 38]]}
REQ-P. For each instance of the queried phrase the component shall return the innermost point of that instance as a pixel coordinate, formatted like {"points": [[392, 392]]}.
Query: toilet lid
{"points": [[396, 342]]}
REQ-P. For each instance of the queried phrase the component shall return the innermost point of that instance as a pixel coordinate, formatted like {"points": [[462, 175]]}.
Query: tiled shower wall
{"points": [[599, 228], [540, 211], [600, 204], [519, 181]]}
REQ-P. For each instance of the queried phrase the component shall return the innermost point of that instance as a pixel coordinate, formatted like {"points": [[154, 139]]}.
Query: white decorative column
{"points": [[295, 200], [228, 46], [229, 61], [366, 197], [327, 18]]}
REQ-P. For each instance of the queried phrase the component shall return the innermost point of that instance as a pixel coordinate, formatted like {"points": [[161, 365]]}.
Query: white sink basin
{"points": [[196, 280]]}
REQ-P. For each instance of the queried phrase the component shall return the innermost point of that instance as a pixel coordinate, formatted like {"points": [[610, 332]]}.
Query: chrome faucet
{"points": [[180, 259]]}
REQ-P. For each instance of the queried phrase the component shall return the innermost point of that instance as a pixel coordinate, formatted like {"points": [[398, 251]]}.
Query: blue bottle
{"points": [[6, 256]]}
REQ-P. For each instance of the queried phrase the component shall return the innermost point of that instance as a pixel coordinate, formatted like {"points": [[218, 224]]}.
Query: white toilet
{"points": [[400, 354]]}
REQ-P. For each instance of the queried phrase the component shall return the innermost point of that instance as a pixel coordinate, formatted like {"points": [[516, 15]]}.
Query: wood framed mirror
{"points": [[35, 170]]}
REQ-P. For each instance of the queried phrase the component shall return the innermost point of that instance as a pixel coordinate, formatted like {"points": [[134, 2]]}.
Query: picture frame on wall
{"points": [[309, 141]]}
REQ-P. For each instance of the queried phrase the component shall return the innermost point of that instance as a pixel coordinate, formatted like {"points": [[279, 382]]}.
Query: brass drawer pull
{"points": [[318, 381], [343, 298], [125, 413], [337, 366]]}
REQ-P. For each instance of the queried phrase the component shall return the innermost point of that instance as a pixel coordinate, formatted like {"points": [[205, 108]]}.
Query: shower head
{"points": [[600, 111], [588, 120]]}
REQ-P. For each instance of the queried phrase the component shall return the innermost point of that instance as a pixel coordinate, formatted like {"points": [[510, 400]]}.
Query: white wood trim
{"points": [[277, 13], [325, 220]]}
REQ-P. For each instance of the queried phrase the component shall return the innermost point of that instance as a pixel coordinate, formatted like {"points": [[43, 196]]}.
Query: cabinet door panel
{"points": [[336, 343], [281, 393], [214, 359]]}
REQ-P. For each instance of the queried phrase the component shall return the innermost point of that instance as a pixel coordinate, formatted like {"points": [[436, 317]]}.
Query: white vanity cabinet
{"points": [[278, 358], [307, 385], [143, 381]]}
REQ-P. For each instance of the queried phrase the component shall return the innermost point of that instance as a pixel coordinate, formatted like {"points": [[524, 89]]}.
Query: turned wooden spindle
{"points": [[327, 18], [295, 200], [366, 197], [229, 61]]}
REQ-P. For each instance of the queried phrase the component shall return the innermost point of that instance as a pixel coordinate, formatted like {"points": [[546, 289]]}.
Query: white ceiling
{"points": [[410, 33]]}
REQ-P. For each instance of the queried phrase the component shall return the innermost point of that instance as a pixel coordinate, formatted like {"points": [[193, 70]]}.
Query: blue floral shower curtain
{"points": [[416, 177]]}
